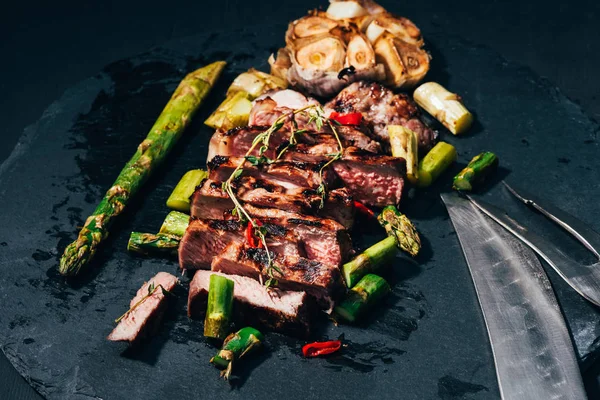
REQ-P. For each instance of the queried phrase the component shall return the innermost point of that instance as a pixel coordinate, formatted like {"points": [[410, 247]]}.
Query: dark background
{"points": [[48, 46]]}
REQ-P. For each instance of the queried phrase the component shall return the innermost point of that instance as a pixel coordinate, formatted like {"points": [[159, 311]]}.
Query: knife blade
{"points": [[532, 350]]}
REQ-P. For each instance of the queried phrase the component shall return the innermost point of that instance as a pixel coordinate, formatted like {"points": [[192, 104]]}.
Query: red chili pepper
{"points": [[347, 119], [364, 209], [321, 348], [251, 238]]}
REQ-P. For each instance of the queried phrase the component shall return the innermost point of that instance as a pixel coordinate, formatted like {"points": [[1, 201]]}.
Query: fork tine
{"points": [[577, 228]]}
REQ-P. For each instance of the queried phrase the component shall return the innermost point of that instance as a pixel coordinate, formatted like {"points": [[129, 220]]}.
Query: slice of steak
{"points": [[286, 173], [277, 310], [210, 202], [324, 240], [381, 107], [374, 180], [144, 318], [297, 273], [204, 239]]}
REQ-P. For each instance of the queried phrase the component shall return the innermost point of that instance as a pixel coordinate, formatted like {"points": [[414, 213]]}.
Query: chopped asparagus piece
{"points": [[219, 308], [149, 244], [233, 112], [256, 83], [180, 197], [162, 137], [435, 162], [367, 292], [404, 144], [478, 169], [445, 106], [398, 226], [235, 347], [175, 224], [370, 260]]}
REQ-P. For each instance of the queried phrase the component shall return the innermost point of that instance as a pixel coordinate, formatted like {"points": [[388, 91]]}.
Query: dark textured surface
{"points": [[54, 332]]}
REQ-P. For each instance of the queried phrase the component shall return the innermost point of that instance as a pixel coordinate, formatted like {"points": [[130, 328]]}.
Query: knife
{"points": [[530, 342]]}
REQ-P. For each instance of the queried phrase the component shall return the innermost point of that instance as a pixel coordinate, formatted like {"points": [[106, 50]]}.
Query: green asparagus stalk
{"points": [[180, 197], [367, 292], [233, 112], [235, 347], [435, 162], [235, 109], [167, 129], [445, 106], [370, 260], [175, 224], [398, 225], [150, 244], [404, 144], [219, 308], [255, 83], [478, 169]]}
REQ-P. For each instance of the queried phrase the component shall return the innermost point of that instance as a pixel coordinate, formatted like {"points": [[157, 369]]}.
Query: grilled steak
{"points": [[210, 202], [205, 239], [375, 180], [145, 318], [324, 240], [381, 107], [255, 305], [297, 273], [237, 141], [372, 180], [286, 173]]}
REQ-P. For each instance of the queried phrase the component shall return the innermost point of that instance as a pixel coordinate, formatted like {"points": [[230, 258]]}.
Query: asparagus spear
{"points": [[255, 83], [446, 107], [180, 197], [404, 144], [370, 260], [367, 292], [233, 112], [149, 244], [219, 308], [235, 347], [167, 129], [397, 225], [175, 224], [235, 109], [479, 168], [435, 162]]}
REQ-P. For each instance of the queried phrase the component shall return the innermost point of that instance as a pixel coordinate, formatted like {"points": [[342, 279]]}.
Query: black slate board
{"points": [[53, 331]]}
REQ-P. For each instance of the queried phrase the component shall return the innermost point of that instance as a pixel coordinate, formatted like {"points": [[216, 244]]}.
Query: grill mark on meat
{"points": [[225, 225], [299, 221], [275, 230], [217, 161]]}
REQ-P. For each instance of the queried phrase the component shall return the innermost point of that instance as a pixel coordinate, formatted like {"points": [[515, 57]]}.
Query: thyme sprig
{"points": [[151, 289], [316, 115]]}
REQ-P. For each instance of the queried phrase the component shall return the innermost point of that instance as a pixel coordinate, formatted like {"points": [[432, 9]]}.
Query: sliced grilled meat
{"points": [[321, 281], [372, 180], [145, 318], [281, 311], [324, 240], [205, 239], [286, 173], [381, 107], [210, 202], [237, 141]]}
